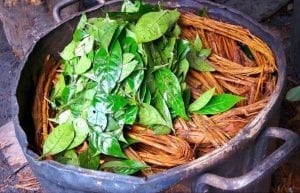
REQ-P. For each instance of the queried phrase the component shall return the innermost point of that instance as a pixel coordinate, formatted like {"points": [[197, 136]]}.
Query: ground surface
{"points": [[286, 179]]}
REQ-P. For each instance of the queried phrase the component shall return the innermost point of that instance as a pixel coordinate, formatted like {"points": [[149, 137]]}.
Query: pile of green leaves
{"points": [[128, 67]]}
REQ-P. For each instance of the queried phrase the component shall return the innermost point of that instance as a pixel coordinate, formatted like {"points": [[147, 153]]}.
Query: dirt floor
{"points": [[7, 177], [285, 179]]}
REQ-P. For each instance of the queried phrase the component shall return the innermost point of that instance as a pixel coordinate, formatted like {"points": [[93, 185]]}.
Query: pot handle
{"points": [[63, 4], [265, 168]]}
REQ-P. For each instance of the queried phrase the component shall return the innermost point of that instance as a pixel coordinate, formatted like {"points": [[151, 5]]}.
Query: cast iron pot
{"points": [[242, 162]]}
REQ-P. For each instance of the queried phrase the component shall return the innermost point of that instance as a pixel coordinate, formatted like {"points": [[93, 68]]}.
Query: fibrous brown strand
{"points": [[135, 156], [161, 150], [234, 32], [235, 73], [40, 111]]}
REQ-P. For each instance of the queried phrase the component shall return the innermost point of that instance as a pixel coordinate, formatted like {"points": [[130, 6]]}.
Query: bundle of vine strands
{"points": [[146, 89]]}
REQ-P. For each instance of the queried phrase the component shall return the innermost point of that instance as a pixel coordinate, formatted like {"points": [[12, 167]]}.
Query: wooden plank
{"points": [[23, 22], [24, 181], [10, 147]]}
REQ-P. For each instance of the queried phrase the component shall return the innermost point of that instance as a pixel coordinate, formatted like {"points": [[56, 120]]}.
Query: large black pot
{"points": [[244, 156]]}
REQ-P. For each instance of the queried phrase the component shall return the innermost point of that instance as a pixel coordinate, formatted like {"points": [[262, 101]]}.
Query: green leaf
{"points": [[112, 124], [59, 139], [89, 160], [202, 100], [167, 53], [149, 116], [97, 118], [293, 94], [69, 157], [197, 57], [130, 17], [220, 103], [58, 87], [128, 65], [67, 94], [186, 95], [129, 45], [103, 31], [130, 141], [176, 31], [79, 34], [83, 65], [183, 70], [133, 82], [246, 51], [118, 134], [118, 32], [144, 95], [84, 46], [197, 44], [128, 57], [142, 92], [106, 144], [80, 84], [180, 64], [97, 21], [64, 116], [107, 67], [130, 115], [147, 7], [153, 25], [100, 58], [80, 106], [89, 93], [161, 129], [110, 103], [199, 64], [162, 108], [126, 167], [138, 7], [154, 56], [157, 67], [67, 66], [69, 51], [132, 12], [81, 131], [168, 86], [183, 48], [204, 53], [148, 97], [82, 22], [130, 7]]}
